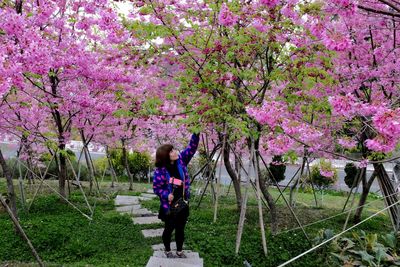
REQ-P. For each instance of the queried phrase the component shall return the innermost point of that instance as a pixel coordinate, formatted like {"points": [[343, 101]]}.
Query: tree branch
{"points": [[377, 11]]}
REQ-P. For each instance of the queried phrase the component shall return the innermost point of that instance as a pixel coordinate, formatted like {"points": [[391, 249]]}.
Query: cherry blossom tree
{"points": [[355, 102], [231, 55], [63, 55]]}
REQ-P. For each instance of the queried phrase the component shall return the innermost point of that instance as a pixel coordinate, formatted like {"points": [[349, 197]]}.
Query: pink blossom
{"points": [[226, 17], [381, 144], [344, 105], [270, 3], [363, 163], [347, 143], [345, 7], [336, 41], [326, 173], [271, 113], [280, 145], [387, 122], [260, 26]]}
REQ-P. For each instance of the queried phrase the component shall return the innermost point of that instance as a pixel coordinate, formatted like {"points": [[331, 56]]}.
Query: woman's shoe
{"points": [[180, 254], [169, 254]]}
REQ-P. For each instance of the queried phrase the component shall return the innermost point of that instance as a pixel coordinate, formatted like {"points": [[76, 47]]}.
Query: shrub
{"points": [[351, 172], [100, 165], [139, 163], [84, 171], [52, 171], [12, 164], [363, 249], [323, 175], [278, 168]]}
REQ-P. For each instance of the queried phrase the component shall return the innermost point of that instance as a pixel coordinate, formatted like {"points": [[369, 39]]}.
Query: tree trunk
{"points": [[364, 196], [268, 197], [93, 170], [113, 174], [88, 163], [91, 175], [62, 167], [126, 163], [62, 171], [237, 167], [10, 186], [30, 166], [396, 171], [264, 189], [234, 177], [18, 6], [29, 160]]}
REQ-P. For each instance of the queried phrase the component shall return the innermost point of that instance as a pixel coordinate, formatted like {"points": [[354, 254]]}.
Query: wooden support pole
{"points": [[359, 177], [77, 178], [209, 179], [243, 209], [21, 231], [284, 198], [260, 212]]}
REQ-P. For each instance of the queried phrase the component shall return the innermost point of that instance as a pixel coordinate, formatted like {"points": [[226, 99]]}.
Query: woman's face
{"points": [[173, 155]]}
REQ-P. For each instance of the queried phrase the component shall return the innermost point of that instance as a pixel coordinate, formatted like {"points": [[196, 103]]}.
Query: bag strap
{"points": [[173, 179], [180, 170]]}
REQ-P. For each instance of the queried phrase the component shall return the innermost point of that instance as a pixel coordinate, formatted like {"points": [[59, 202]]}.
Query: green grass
{"points": [[216, 241], [63, 236]]}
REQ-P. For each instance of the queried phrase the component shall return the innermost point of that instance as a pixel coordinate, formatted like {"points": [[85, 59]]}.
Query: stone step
{"points": [[189, 254], [126, 200], [161, 246], [153, 232], [146, 220], [157, 247], [139, 213], [150, 191], [146, 195], [128, 208], [175, 262], [143, 213]]}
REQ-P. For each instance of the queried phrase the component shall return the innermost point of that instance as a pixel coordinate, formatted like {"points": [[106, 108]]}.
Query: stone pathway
{"points": [[131, 205]]}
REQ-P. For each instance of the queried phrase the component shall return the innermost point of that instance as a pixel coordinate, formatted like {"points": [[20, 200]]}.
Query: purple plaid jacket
{"points": [[161, 176]]}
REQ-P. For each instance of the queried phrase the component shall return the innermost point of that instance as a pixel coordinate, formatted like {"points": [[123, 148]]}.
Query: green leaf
{"points": [[120, 113], [348, 243], [25, 104], [364, 256], [381, 254], [371, 241], [52, 74], [390, 240]]}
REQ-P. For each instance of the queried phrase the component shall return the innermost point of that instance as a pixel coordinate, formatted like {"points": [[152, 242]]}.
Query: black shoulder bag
{"points": [[179, 205]]}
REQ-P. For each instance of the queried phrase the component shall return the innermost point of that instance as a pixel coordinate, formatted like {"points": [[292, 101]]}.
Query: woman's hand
{"points": [[170, 198]]}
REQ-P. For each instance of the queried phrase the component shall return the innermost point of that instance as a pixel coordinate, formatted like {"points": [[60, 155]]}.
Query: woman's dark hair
{"points": [[162, 155]]}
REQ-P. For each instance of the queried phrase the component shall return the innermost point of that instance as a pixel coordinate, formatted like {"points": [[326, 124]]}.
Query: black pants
{"points": [[178, 224]]}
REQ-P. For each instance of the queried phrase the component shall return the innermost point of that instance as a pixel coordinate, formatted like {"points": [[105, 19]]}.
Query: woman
{"points": [[171, 182]]}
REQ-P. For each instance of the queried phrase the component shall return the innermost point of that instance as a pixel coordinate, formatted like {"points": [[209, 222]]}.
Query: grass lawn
{"points": [[63, 236]]}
